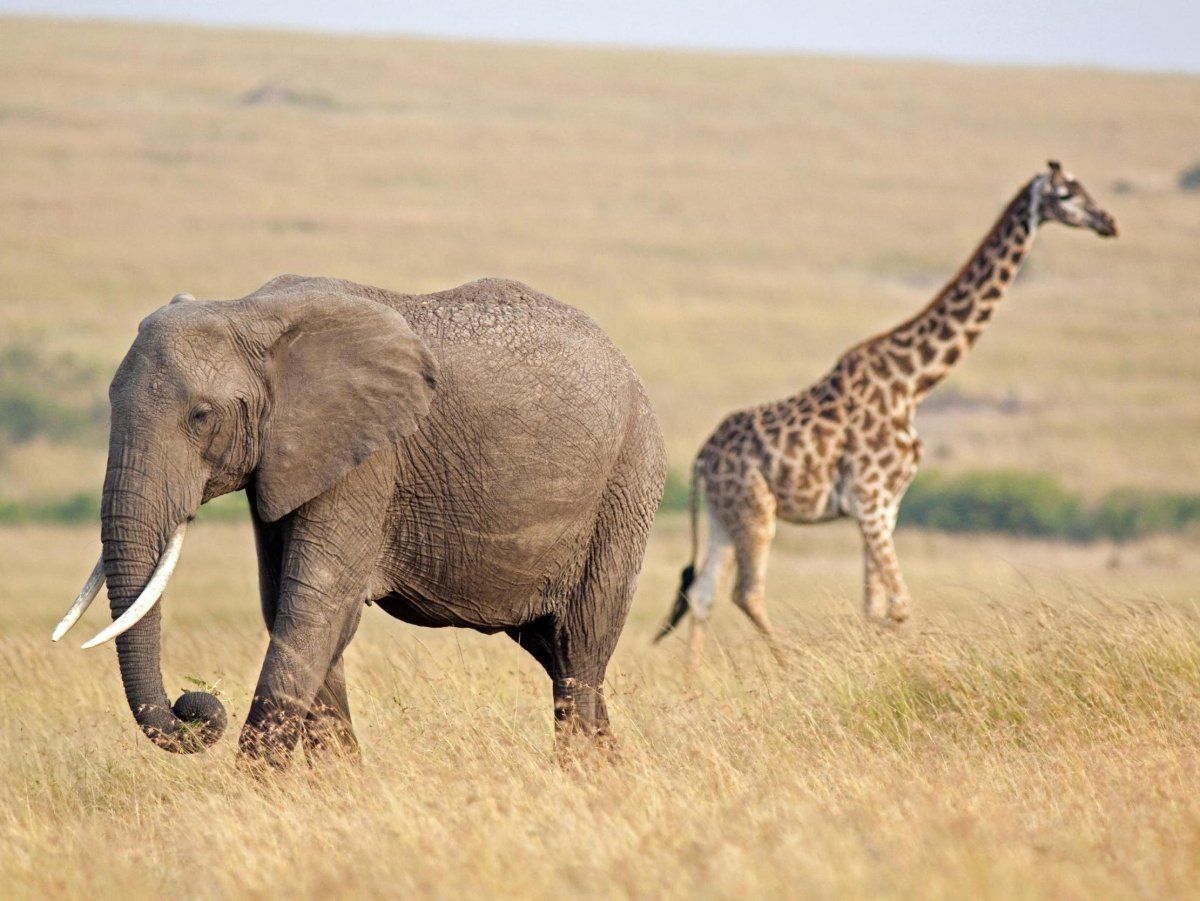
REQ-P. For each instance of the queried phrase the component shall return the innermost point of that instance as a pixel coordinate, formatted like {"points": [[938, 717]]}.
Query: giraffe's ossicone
{"points": [[846, 446]]}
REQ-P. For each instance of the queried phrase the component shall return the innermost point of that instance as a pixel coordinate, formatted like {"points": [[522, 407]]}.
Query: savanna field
{"points": [[734, 222]]}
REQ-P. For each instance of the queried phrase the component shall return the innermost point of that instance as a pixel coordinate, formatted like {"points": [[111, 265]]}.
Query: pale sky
{"points": [[1150, 34]]}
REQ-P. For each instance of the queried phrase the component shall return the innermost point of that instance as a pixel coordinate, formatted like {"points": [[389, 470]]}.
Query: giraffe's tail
{"points": [[688, 576]]}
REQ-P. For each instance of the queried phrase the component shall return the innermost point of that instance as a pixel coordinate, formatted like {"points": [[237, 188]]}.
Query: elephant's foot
{"points": [[581, 734], [328, 737], [268, 739], [580, 748]]}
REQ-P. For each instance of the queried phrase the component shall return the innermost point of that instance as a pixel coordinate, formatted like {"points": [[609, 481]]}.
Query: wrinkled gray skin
{"points": [[481, 457]]}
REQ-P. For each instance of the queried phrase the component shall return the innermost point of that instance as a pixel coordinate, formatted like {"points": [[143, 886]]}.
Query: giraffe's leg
{"points": [[874, 591], [877, 526], [712, 576], [753, 544]]}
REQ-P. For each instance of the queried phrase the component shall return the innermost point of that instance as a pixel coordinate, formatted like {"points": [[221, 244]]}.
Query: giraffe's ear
{"points": [[1055, 166]]}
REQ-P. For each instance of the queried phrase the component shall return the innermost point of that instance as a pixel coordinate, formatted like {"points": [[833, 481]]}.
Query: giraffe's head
{"points": [[1063, 199]]}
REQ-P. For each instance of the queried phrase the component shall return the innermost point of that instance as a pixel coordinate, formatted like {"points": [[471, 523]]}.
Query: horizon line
{"points": [[610, 46]]}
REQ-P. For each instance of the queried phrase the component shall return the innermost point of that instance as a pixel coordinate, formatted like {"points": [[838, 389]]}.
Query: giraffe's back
{"points": [[790, 449]]}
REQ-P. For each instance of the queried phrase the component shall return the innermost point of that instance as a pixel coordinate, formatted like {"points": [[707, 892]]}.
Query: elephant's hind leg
{"points": [[575, 643], [327, 727]]}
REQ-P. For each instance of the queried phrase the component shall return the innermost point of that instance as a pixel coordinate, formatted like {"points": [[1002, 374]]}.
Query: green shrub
{"points": [[1020, 503], [84, 507], [675, 493], [54, 397], [1129, 513], [1189, 178], [1011, 502]]}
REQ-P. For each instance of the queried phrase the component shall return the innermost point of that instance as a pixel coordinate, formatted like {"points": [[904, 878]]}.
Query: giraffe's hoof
{"points": [[898, 615]]}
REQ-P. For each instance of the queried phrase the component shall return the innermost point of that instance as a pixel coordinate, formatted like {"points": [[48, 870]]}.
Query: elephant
{"points": [[481, 457]]}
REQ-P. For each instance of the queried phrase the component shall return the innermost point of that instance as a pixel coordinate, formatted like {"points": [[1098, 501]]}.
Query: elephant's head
{"points": [[284, 391]]}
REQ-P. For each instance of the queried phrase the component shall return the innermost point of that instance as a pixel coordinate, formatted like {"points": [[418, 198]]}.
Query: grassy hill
{"points": [[733, 221]]}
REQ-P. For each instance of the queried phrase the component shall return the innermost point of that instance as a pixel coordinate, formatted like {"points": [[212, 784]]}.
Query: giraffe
{"points": [[846, 446]]}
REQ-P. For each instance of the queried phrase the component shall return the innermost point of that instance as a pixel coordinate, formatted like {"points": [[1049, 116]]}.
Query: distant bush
{"points": [[1010, 502], [1189, 178], [1018, 503], [84, 507], [675, 493], [1128, 513], [81, 507], [54, 397], [1021, 503]]}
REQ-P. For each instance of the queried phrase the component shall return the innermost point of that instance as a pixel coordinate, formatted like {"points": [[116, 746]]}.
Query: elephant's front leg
{"points": [[328, 552], [309, 635], [327, 727]]}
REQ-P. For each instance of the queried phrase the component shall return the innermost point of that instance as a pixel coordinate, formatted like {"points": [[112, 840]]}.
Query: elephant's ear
{"points": [[347, 378]]}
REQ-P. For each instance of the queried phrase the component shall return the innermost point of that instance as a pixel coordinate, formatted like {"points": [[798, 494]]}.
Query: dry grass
{"points": [[734, 222], [1033, 734]]}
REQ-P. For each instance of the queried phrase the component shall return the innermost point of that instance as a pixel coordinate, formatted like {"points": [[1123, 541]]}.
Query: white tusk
{"points": [[83, 600], [150, 594]]}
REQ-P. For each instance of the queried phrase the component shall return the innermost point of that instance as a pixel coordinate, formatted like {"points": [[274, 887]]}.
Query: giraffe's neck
{"points": [[925, 347]]}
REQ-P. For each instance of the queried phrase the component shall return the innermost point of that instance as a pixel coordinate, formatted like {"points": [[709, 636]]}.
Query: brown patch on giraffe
{"points": [[925, 382], [991, 293], [903, 362], [951, 356], [1004, 274], [878, 441], [927, 352]]}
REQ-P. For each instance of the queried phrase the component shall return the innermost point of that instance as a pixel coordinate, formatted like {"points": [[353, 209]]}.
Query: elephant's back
{"points": [[511, 316]]}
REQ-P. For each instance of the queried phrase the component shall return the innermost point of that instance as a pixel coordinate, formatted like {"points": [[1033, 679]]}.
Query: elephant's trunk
{"points": [[132, 547]]}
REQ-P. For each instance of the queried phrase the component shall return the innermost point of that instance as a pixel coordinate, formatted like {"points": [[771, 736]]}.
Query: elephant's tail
{"points": [[688, 576]]}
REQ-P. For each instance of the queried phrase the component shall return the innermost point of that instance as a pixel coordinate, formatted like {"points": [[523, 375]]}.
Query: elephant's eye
{"points": [[200, 416]]}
